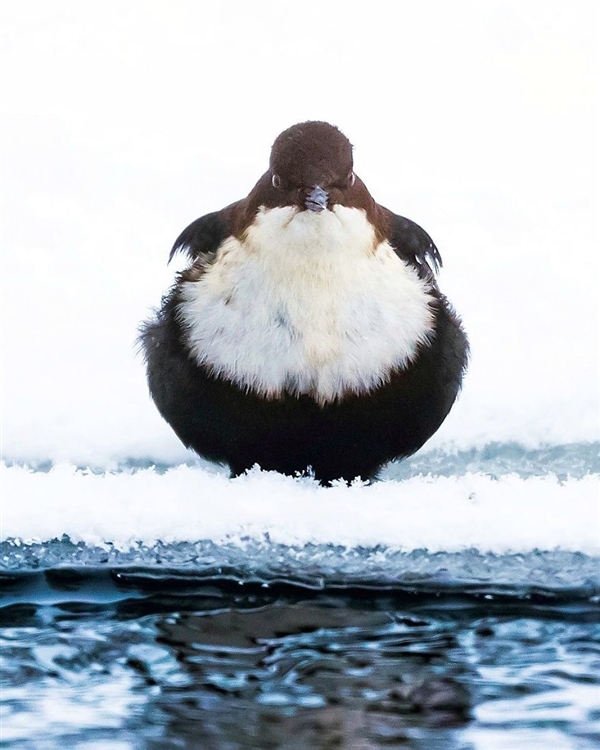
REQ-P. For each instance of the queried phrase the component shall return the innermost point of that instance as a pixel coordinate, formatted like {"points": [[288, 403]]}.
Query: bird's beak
{"points": [[316, 200]]}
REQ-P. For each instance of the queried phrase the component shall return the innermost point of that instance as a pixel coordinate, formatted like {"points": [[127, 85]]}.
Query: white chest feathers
{"points": [[308, 303]]}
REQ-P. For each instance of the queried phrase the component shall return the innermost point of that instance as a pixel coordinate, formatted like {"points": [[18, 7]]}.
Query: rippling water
{"points": [[261, 613], [219, 665]]}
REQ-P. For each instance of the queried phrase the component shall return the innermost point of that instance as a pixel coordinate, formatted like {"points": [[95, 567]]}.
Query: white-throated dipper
{"points": [[308, 333]]}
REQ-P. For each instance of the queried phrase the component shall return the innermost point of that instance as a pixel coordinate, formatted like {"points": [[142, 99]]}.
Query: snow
{"points": [[188, 504]]}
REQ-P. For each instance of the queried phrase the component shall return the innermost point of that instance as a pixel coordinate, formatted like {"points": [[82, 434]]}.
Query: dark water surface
{"points": [[117, 659]]}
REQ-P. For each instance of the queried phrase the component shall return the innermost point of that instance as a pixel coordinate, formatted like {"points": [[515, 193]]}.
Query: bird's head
{"points": [[311, 167]]}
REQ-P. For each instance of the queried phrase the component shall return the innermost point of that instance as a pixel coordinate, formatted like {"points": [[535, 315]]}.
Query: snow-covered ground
{"points": [[185, 504], [121, 123]]}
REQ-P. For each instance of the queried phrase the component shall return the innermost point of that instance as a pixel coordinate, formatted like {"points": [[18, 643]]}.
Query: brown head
{"points": [[313, 158], [311, 168]]}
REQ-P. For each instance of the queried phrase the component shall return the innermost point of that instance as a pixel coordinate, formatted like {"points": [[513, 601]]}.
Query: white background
{"points": [[124, 121]]}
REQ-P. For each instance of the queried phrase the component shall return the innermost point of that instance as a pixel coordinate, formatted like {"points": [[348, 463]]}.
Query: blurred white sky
{"points": [[466, 94], [124, 121]]}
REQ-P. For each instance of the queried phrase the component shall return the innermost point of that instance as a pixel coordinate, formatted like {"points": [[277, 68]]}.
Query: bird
{"points": [[307, 333]]}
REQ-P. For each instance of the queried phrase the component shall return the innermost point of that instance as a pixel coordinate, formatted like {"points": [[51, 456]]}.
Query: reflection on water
{"points": [[221, 670], [313, 676]]}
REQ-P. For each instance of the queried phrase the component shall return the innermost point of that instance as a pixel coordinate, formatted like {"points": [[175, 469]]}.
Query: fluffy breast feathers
{"points": [[306, 303]]}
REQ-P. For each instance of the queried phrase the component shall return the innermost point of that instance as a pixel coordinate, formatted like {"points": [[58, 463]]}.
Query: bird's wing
{"points": [[204, 236], [413, 245]]}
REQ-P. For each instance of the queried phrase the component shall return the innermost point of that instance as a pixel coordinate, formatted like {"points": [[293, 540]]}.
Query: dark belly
{"points": [[354, 436]]}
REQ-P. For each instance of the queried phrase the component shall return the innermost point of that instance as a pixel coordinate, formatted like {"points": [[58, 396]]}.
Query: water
{"points": [[455, 604], [217, 664]]}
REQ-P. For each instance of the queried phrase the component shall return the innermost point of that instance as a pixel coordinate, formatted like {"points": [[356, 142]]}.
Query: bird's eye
{"points": [[276, 181], [351, 179]]}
